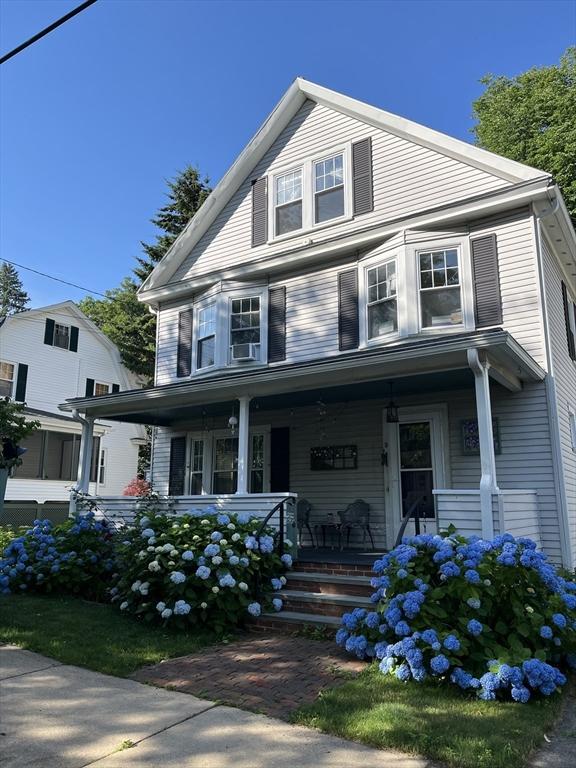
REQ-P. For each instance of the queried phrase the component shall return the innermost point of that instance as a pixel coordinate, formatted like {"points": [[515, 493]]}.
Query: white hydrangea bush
{"points": [[204, 567]]}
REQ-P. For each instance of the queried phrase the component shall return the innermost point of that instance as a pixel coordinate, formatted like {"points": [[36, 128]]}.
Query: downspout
{"points": [[553, 413]]}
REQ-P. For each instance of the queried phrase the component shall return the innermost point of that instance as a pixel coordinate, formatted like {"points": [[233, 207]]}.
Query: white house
{"points": [[387, 314], [48, 355]]}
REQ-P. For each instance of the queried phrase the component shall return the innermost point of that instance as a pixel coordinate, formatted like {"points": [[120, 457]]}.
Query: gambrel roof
{"points": [[510, 171]]}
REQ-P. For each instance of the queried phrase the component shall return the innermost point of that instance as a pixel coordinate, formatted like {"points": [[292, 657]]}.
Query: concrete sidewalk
{"points": [[58, 716]]}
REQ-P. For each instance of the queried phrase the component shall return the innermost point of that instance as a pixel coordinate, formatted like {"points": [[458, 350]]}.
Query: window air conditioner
{"points": [[244, 352]]}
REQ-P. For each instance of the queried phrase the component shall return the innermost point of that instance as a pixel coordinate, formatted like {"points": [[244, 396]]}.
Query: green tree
{"points": [[128, 323], [14, 427], [187, 191], [13, 297], [531, 118]]}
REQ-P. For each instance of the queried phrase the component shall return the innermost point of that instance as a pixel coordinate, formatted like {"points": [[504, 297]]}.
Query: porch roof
{"points": [[353, 373]]}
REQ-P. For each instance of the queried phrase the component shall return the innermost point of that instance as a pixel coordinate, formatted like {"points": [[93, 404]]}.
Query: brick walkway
{"points": [[273, 674]]}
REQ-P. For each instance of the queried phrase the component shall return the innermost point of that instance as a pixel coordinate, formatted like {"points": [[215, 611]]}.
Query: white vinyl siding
{"points": [[564, 381], [407, 178]]}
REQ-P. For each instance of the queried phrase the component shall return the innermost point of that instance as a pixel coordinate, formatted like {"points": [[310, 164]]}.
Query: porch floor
{"points": [[343, 557]]}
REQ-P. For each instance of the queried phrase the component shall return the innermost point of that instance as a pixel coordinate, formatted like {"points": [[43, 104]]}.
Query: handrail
{"points": [[279, 507], [406, 518]]}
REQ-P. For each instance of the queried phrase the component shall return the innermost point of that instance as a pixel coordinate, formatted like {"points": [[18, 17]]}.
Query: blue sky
{"points": [[98, 114]]}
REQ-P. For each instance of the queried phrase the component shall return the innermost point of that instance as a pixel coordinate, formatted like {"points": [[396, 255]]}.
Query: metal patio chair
{"points": [[303, 509], [356, 515]]}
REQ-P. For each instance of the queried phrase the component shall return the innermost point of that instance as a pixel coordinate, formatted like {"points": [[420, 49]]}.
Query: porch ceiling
{"points": [[434, 364]]}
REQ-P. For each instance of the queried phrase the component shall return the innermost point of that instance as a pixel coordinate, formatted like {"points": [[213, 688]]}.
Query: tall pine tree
{"points": [[13, 297]]}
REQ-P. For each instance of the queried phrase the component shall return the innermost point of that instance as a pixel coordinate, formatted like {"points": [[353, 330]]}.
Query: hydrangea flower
{"points": [[188, 555], [546, 632], [559, 619], [166, 613], [203, 572], [474, 627], [227, 581], [277, 604], [181, 608], [177, 577], [287, 560], [451, 643], [254, 609], [439, 664]]}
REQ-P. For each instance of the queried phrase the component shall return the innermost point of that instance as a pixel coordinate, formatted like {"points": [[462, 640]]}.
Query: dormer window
{"points": [[206, 344], [329, 189], [288, 202], [61, 336]]}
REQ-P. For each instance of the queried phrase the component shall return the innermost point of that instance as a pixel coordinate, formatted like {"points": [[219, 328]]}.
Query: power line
{"points": [[50, 277], [47, 30]]}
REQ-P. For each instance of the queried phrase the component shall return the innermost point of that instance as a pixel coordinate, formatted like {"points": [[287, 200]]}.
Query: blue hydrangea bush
{"points": [[492, 617], [204, 567], [74, 557]]}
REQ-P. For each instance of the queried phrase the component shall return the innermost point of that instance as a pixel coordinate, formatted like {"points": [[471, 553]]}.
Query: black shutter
{"points": [[184, 361], [177, 466], [279, 459], [277, 324], [74, 331], [89, 387], [49, 332], [21, 380], [487, 299], [569, 332], [259, 212], [362, 177], [115, 387], [348, 321]]}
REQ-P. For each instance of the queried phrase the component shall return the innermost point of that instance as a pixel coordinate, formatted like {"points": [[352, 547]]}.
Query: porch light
{"points": [[391, 410], [233, 423]]}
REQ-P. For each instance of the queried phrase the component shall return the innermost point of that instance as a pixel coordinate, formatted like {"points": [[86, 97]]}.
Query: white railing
{"points": [[514, 512], [123, 509]]}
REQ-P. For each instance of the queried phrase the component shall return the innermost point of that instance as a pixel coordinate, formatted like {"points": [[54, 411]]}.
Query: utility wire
{"points": [[57, 279], [47, 30]]}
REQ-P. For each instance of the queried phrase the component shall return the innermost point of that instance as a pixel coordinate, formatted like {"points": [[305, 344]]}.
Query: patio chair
{"points": [[303, 509], [356, 515]]}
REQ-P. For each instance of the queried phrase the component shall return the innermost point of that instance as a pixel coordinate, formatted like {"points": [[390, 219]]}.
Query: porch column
{"points": [[488, 487], [85, 457], [243, 445]]}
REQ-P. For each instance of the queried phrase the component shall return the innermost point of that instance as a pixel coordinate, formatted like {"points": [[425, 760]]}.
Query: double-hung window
{"points": [[62, 336], [206, 339], [196, 466], [382, 303], [288, 202], [101, 389], [6, 379], [245, 328], [329, 188], [440, 288]]}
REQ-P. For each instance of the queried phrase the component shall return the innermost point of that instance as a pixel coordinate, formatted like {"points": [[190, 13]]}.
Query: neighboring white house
{"points": [[50, 354], [388, 313]]}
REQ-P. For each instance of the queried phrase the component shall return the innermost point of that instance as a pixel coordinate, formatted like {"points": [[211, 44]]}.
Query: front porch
{"points": [[450, 448]]}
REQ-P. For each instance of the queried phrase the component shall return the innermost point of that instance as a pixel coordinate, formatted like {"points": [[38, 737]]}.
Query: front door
{"points": [[415, 465]]}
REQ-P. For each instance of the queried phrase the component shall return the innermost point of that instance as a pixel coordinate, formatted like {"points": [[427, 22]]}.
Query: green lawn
{"points": [[90, 634], [440, 723]]}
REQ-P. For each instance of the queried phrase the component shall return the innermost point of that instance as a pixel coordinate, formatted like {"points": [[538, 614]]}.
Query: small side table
{"points": [[333, 530]]}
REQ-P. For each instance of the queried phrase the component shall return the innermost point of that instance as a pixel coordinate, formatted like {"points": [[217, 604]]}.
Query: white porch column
{"points": [[85, 457], [488, 485], [243, 445]]}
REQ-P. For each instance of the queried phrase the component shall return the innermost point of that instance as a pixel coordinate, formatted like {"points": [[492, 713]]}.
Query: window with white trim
{"points": [[101, 389], [61, 336], [206, 338], [7, 373], [196, 466], [329, 200], [288, 202], [102, 467], [245, 328], [381, 299], [440, 289]]}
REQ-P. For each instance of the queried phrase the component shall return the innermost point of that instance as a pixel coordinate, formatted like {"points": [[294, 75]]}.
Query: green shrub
{"points": [[9, 532], [494, 617], [76, 557], [199, 568]]}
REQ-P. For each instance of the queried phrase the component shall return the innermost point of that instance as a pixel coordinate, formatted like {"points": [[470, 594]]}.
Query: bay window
{"points": [[382, 304], [213, 462], [206, 342], [440, 290]]}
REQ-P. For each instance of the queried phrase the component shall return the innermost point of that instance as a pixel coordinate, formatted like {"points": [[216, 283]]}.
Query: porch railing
{"points": [[277, 510]]}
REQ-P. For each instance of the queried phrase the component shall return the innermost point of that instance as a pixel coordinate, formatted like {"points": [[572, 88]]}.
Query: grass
{"points": [[91, 635], [440, 723]]}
